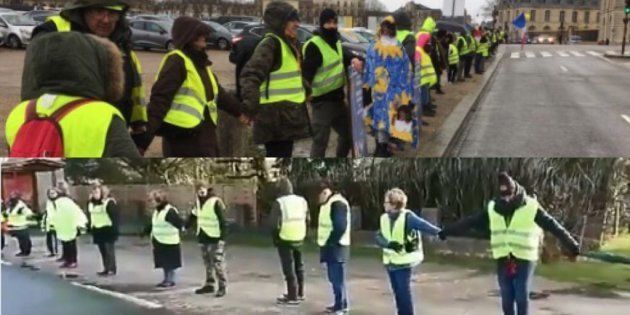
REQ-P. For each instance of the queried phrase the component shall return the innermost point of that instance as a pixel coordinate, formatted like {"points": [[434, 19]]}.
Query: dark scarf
{"points": [[162, 205], [507, 208]]}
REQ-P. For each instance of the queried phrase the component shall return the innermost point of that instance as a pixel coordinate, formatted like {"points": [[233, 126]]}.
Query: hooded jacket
{"points": [[74, 64], [403, 23], [121, 37], [284, 188], [280, 121]]}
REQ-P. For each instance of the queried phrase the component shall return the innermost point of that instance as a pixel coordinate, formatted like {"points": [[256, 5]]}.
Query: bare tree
{"points": [[488, 7], [374, 5]]}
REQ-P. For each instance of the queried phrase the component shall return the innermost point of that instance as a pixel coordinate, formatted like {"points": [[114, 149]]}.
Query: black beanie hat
{"points": [[327, 15], [507, 186]]}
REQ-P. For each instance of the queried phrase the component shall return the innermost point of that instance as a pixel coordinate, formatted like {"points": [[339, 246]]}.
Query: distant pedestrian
{"points": [[104, 220], [69, 220], [47, 223], [165, 227], [19, 216], [453, 59]]}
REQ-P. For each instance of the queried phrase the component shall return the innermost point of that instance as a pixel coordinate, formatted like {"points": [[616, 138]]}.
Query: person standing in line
{"points": [[289, 214], [208, 216], [19, 215], [454, 58], [400, 238], [164, 229], [271, 84], [516, 222], [47, 226], [103, 223], [333, 238], [68, 220], [462, 48], [472, 50]]}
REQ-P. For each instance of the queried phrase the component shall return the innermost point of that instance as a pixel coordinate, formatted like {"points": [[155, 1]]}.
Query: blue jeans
{"points": [[479, 63], [515, 288], [337, 278], [400, 280]]}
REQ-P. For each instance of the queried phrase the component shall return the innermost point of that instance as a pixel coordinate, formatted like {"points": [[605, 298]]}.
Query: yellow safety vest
{"points": [[68, 218], [139, 106], [482, 49], [50, 213], [521, 238], [427, 72], [98, 214], [453, 55], [190, 101], [330, 76], [207, 219], [294, 211], [396, 233], [84, 129], [473, 45], [163, 231], [19, 221], [465, 49], [325, 222], [285, 84]]}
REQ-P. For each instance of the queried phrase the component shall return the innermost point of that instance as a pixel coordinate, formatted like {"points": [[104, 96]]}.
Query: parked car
{"points": [[365, 33], [220, 36], [151, 17], [40, 16], [3, 10], [575, 39], [544, 39], [225, 19], [236, 27], [16, 29], [150, 34]]}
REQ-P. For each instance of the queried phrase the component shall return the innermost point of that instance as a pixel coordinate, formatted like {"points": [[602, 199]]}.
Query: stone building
{"points": [[611, 23], [561, 18]]}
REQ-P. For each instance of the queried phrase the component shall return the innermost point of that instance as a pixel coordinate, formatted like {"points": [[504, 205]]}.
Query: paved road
{"points": [[552, 101], [27, 292]]}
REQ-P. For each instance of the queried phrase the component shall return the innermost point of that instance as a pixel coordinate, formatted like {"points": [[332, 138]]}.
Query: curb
{"points": [[617, 56], [442, 144]]}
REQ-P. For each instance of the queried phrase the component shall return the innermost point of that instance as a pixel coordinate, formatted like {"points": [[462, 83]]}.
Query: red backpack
{"points": [[42, 136]]}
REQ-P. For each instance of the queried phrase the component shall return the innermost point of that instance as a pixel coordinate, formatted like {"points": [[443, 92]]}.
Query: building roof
{"points": [[31, 165]]}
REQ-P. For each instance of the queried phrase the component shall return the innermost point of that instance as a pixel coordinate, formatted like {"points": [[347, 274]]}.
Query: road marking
{"points": [[562, 53], [529, 54], [7, 263], [576, 53], [515, 55], [564, 69], [122, 296], [546, 54], [594, 53], [626, 118]]}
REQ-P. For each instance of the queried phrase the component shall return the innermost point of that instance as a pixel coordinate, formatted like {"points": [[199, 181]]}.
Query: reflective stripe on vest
{"points": [[207, 219], [294, 210], [325, 222], [62, 24], [330, 76], [464, 50], [453, 55], [98, 214], [162, 230], [68, 218], [189, 103], [19, 221], [482, 49], [521, 238], [285, 84], [84, 129], [396, 233], [139, 105], [427, 72]]}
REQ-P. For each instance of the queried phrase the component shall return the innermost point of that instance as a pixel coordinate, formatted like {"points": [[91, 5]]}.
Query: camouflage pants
{"points": [[214, 261]]}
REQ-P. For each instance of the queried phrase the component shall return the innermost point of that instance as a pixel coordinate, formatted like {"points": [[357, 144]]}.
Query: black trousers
{"points": [[452, 73], [468, 61], [326, 116], [69, 249], [293, 270], [279, 148], [24, 240], [108, 255], [52, 242]]}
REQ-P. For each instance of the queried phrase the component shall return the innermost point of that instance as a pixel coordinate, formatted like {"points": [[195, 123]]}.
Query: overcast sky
{"points": [[472, 6]]}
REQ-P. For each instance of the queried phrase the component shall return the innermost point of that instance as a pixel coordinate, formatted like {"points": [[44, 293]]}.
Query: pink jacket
{"points": [[422, 41]]}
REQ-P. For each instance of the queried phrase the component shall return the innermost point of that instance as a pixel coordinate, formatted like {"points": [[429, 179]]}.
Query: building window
{"points": [[546, 28], [587, 17], [532, 15], [547, 15], [597, 18], [531, 28], [574, 17], [561, 16]]}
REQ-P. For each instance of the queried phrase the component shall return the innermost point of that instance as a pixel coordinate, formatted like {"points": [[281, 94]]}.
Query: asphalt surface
{"points": [[27, 292], [551, 101]]}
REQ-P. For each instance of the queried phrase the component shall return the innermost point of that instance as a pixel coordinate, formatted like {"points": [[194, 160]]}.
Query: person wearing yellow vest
{"points": [[63, 70], [482, 53], [516, 222], [271, 84], [425, 75], [461, 43], [333, 238], [69, 220], [107, 19], [4, 227], [324, 71], [103, 213], [19, 216], [164, 229], [289, 217], [47, 220], [208, 215], [470, 58], [186, 97], [399, 237], [454, 58]]}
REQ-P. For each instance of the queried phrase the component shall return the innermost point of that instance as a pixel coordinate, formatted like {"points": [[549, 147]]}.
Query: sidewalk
{"points": [[255, 281]]}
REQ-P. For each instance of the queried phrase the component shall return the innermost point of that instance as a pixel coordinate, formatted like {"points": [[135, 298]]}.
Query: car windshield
{"points": [[19, 20], [352, 37], [218, 27]]}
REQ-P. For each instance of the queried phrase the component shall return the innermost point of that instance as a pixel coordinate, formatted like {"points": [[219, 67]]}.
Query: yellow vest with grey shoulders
{"points": [[284, 84]]}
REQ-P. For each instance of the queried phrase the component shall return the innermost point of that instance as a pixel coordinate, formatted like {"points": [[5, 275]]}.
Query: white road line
{"points": [[546, 54], [562, 53], [594, 53], [564, 69], [626, 118], [529, 54], [122, 296], [576, 53], [7, 263], [515, 55]]}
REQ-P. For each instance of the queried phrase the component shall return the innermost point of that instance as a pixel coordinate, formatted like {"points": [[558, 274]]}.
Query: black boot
{"points": [[205, 289], [221, 292]]}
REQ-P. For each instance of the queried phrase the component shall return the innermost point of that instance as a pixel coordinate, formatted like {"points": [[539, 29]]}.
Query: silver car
{"points": [[148, 34], [16, 29], [236, 27]]}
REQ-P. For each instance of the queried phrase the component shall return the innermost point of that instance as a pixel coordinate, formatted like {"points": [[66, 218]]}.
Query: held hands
{"points": [[243, 119], [395, 246]]}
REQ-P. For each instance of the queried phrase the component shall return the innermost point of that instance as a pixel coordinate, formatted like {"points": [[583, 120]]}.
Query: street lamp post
{"points": [[625, 27]]}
